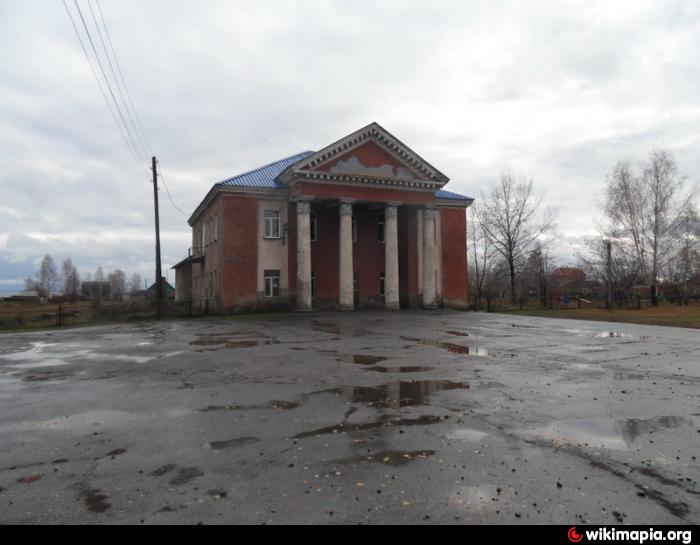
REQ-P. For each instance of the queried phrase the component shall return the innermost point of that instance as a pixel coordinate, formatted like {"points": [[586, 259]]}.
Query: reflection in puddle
{"points": [[613, 434], [399, 394], [363, 359], [457, 333], [462, 349], [404, 369]]}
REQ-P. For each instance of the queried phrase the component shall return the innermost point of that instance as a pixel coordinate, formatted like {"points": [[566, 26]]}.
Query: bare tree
{"points": [[686, 264], [117, 284], [71, 279], [513, 220], [483, 257], [48, 276], [645, 212]]}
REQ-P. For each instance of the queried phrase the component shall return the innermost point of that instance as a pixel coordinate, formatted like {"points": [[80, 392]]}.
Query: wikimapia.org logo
{"points": [[638, 536]]}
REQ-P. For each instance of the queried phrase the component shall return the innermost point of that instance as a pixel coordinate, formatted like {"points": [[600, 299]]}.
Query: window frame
{"points": [[271, 283], [381, 231], [273, 222]]}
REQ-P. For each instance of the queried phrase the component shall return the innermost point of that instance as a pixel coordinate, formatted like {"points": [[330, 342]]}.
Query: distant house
{"points": [[96, 290], [168, 291], [24, 297]]}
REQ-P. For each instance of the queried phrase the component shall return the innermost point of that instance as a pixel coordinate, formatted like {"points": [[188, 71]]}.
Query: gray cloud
{"points": [[556, 91]]}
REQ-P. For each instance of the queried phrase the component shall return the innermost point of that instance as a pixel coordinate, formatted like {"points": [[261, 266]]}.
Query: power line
{"points": [[99, 84], [121, 75], [144, 152], [109, 86], [165, 185]]}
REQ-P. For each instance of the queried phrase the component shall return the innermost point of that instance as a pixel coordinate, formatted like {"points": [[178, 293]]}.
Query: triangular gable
{"points": [[370, 154]]}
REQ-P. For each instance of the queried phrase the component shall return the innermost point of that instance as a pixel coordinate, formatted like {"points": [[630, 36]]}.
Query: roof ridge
{"points": [[251, 171]]}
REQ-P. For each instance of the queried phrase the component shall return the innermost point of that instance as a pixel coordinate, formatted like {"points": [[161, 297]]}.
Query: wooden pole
{"points": [[159, 279]]}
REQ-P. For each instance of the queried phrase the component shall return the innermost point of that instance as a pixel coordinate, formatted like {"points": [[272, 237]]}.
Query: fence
{"points": [[575, 301], [27, 315]]}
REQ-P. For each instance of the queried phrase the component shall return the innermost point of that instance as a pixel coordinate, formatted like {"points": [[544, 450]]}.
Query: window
{"points": [[272, 224], [272, 283], [381, 283], [216, 227], [313, 284], [354, 229], [380, 231], [312, 218]]}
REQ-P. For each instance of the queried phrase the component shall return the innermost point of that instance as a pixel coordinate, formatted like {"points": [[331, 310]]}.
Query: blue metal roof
{"points": [[442, 194], [265, 176]]}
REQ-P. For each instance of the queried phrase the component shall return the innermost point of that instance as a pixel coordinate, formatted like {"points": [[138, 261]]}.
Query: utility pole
{"points": [[159, 280], [608, 247]]}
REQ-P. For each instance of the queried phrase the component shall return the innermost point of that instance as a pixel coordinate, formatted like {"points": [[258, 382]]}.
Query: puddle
{"points": [[233, 443], [391, 457], [465, 434], [399, 394], [607, 334], [381, 423], [231, 340], [463, 349], [612, 434], [620, 335], [283, 405], [38, 356], [363, 359], [405, 369], [94, 420], [457, 333]]}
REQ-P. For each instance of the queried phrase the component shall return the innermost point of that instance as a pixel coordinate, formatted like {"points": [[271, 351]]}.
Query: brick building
{"points": [[362, 223]]}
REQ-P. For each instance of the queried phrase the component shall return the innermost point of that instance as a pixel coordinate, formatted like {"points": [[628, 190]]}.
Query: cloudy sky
{"points": [[557, 91]]}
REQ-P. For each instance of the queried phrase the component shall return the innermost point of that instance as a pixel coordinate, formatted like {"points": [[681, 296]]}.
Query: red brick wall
{"points": [[368, 254], [239, 261], [325, 254], [454, 256]]}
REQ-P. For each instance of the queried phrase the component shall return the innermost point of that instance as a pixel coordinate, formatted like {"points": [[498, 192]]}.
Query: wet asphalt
{"points": [[372, 417]]}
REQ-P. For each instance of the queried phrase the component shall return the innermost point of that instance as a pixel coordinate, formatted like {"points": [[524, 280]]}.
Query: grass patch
{"points": [[667, 315]]}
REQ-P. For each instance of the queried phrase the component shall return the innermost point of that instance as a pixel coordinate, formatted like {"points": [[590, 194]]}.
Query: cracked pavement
{"points": [[366, 417]]}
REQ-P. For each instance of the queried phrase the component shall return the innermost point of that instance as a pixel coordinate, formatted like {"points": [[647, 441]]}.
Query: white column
{"points": [[345, 295], [429, 288], [391, 258], [303, 256]]}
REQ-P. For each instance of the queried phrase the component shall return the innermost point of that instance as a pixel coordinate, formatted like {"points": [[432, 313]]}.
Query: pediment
{"points": [[371, 155]]}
